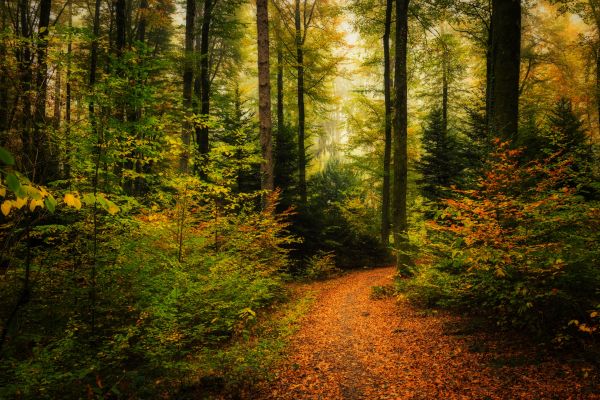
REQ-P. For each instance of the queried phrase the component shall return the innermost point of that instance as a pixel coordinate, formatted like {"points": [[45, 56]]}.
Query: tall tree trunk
{"points": [[121, 22], [444, 91], [24, 59], [43, 169], [280, 95], [4, 91], [400, 144], [264, 95], [506, 60], [598, 86], [188, 79], [67, 162], [202, 134], [596, 14], [489, 82], [387, 148], [301, 110], [98, 150]]}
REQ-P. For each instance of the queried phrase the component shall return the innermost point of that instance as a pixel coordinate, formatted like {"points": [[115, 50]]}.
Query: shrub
{"points": [[321, 266], [521, 248]]}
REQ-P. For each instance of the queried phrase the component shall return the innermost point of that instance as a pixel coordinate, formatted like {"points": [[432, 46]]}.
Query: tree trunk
{"points": [[121, 21], [24, 59], [444, 91], [188, 78], [400, 145], [67, 162], [280, 98], [44, 168], [301, 111], [506, 59], [489, 82], [264, 95], [202, 133], [98, 150], [4, 92], [387, 149]]}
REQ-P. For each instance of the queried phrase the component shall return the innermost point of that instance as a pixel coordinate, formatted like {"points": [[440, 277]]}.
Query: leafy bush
{"points": [[321, 266], [521, 248]]}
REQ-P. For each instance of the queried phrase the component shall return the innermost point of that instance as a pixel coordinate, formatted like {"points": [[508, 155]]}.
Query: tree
{"points": [[441, 165], [505, 66], [400, 143], [188, 78], [264, 94], [387, 152]]}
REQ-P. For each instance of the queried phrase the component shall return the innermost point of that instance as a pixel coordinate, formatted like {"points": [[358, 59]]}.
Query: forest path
{"points": [[351, 346]]}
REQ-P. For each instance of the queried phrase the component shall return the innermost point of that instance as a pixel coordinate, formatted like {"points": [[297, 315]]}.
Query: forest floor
{"points": [[353, 346]]}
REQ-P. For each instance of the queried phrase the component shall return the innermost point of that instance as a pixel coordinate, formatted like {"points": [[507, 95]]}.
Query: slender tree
{"points": [[264, 94], [387, 150], [400, 142], [203, 131], [188, 79]]}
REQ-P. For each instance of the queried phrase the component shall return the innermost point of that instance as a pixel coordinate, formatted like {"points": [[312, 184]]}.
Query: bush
{"points": [[521, 248], [321, 266]]}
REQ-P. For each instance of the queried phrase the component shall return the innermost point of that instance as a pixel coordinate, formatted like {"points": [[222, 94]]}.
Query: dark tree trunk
{"points": [[264, 95], [188, 79], [444, 91], [4, 92], [387, 149], [506, 60], [202, 133], [280, 98], [301, 110], [24, 58], [141, 28], [98, 153], [489, 81], [400, 143], [121, 22], [67, 162]]}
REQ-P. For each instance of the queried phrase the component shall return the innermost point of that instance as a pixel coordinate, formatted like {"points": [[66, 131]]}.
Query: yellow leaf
{"points": [[36, 203], [113, 209], [20, 202], [2, 192], [72, 201], [69, 200], [6, 207]]}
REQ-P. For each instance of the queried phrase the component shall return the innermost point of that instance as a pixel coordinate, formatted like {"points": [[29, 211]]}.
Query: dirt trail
{"points": [[351, 346]]}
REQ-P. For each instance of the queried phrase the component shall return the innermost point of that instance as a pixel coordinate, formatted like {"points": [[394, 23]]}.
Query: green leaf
{"points": [[50, 203], [6, 157], [13, 182]]}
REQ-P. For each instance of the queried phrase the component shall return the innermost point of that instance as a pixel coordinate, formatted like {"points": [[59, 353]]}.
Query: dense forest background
{"points": [[167, 166]]}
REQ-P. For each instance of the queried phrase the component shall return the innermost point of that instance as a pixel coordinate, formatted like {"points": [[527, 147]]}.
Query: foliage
{"points": [[521, 246], [321, 266]]}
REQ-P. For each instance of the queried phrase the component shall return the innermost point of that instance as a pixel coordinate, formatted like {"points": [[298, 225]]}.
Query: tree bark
{"points": [[280, 94], [506, 60], [188, 78], [202, 133], [24, 59], [444, 90], [67, 162], [44, 166], [400, 144], [264, 95], [387, 149], [301, 110], [489, 81], [120, 21]]}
